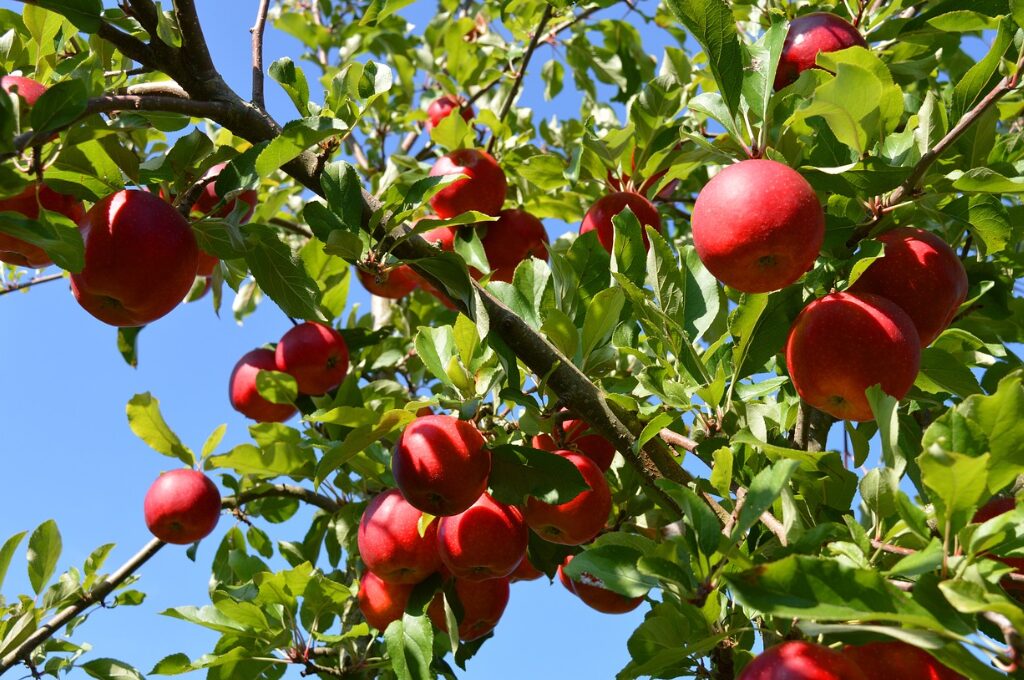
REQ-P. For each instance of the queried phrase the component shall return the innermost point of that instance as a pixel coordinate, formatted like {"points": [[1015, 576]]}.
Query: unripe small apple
{"points": [[483, 189], [808, 35], [140, 259], [21, 253], [28, 89], [895, 659], [442, 107], [486, 541], [394, 284], [844, 343], [577, 436], [382, 602], [244, 395], [441, 465], [483, 603], [390, 542], [591, 590], [758, 226], [515, 236], [799, 660], [576, 521], [182, 506], [315, 355], [599, 216], [921, 274]]}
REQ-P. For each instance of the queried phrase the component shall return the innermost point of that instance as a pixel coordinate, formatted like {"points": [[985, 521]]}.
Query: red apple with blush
{"points": [[896, 659], [244, 395], [482, 189], [483, 603], [599, 216], [809, 35], [182, 507], [515, 236], [576, 521], [26, 88], [576, 435], [315, 355], [382, 602], [390, 543], [800, 660], [442, 107], [592, 591], [393, 283], [488, 540], [526, 571], [21, 253]]}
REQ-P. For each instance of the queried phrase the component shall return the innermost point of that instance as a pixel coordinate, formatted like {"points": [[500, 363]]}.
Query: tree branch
{"points": [[31, 282], [257, 54], [282, 491], [193, 42]]}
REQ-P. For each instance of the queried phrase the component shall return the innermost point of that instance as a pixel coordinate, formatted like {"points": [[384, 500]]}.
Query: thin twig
{"points": [[31, 282], [257, 55]]}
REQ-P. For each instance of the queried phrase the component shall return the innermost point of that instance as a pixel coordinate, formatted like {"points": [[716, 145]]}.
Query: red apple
{"points": [[483, 603], [599, 217], [441, 464], [382, 602], [577, 436], [758, 226], [591, 590], [516, 236], [486, 541], [390, 542], [182, 506], [206, 263], [578, 520], [895, 659], [245, 397], [442, 107], [844, 343], [208, 199], [994, 508], [483, 189], [799, 660], [394, 283], [921, 274], [526, 572], [28, 89], [14, 250], [808, 35], [316, 355], [140, 259]]}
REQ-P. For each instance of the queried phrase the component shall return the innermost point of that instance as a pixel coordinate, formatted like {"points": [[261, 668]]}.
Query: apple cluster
{"points": [[441, 520], [800, 660], [312, 353], [141, 257]]}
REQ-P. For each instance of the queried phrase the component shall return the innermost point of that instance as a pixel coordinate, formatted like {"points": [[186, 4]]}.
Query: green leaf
{"points": [[878, 489], [629, 254], [971, 85], [764, 490], [601, 318], [277, 387], [84, 14], [409, 642], [884, 407], [281, 275], [293, 81], [111, 669], [343, 191], [521, 471], [956, 483], [703, 300], [1001, 417], [986, 181], [360, 438], [266, 461], [213, 441], [615, 566], [7, 552], [127, 344], [148, 424], [763, 61], [53, 232], [986, 217], [712, 24], [44, 548], [942, 372], [721, 471], [1017, 11], [296, 137], [59, 105]]}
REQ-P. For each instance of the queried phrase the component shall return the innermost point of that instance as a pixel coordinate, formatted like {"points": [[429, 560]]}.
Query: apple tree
{"points": [[765, 387]]}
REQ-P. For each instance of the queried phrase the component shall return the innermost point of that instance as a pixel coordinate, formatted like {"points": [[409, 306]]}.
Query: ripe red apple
{"points": [[758, 226], [442, 107], [14, 250], [245, 397], [441, 465], [994, 508], [315, 354], [577, 436], [921, 274], [140, 259], [578, 520], [205, 263], [516, 236], [390, 542], [526, 572], [799, 660], [28, 89], [483, 603], [382, 602], [394, 283], [844, 343], [808, 35], [486, 541], [483, 189], [208, 199], [182, 506], [895, 659], [599, 217], [591, 590]]}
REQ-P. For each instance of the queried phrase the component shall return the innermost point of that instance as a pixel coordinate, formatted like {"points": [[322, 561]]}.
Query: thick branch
{"points": [[192, 39], [105, 587], [257, 54]]}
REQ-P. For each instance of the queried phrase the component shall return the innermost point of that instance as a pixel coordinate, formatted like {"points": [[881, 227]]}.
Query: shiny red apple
{"points": [[182, 506], [394, 283], [895, 659], [515, 236], [390, 542], [483, 603], [315, 355], [482, 189], [577, 436], [808, 35], [599, 216], [28, 89], [244, 395], [592, 591], [442, 107], [576, 521], [382, 602], [799, 660], [488, 540], [21, 253]]}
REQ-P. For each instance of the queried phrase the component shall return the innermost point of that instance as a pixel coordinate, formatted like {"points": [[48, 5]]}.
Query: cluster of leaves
{"points": [[653, 329]]}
